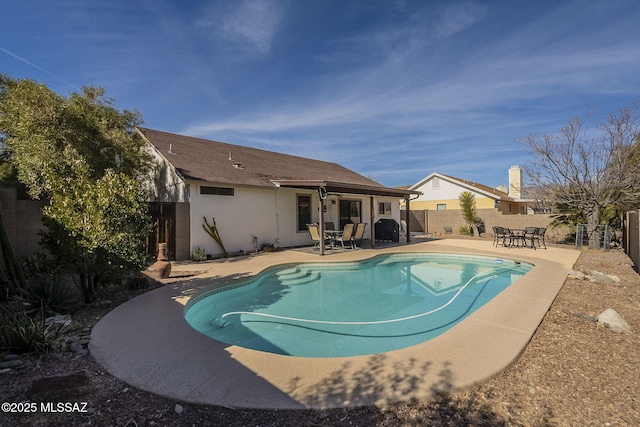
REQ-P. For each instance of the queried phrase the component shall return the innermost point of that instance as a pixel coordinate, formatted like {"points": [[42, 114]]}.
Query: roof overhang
{"points": [[345, 187]]}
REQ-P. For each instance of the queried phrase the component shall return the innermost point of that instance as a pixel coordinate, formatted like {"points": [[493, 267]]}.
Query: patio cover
{"points": [[349, 188]]}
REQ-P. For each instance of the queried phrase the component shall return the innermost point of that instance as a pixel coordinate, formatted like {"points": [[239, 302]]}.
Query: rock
{"points": [[75, 347], [14, 363], [80, 353], [601, 278], [59, 321], [10, 357], [5, 371], [574, 274], [612, 320], [54, 356], [178, 409]]}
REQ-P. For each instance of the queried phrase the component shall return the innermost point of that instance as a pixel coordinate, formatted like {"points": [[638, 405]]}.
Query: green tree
{"points": [[469, 212], [82, 155]]}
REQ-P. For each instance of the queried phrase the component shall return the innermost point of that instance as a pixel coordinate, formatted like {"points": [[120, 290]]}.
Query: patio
{"points": [[162, 354]]}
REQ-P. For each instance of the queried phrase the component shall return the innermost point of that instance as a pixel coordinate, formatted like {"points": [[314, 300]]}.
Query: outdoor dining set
{"points": [[519, 237], [350, 235]]}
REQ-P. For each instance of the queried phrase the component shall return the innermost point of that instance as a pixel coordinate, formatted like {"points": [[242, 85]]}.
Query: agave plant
{"points": [[21, 333], [46, 294]]}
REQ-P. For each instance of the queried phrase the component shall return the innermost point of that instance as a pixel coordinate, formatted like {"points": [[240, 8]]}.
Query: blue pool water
{"points": [[356, 308]]}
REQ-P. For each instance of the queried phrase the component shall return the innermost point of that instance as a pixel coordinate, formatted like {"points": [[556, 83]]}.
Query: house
{"points": [[256, 197], [441, 192]]}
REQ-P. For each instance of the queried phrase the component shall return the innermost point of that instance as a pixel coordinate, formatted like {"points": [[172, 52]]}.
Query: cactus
{"points": [[198, 254], [212, 230]]}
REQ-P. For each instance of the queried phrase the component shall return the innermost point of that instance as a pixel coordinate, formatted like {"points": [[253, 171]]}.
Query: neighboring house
{"points": [[441, 192], [257, 197]]}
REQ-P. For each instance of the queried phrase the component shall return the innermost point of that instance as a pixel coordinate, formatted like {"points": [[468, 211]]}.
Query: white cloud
{"points": [[253, 23]]}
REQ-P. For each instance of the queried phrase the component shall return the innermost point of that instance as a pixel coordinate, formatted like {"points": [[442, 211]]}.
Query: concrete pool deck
{"points": [[147, 343]]}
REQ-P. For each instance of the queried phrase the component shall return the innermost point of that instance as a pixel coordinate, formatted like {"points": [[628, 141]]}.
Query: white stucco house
{"points": [[257, 197], [441, 192]]}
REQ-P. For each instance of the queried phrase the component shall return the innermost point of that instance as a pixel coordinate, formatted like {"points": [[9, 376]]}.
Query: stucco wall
{"points": [[434, 222], [451, 204], [268, 214], [165, 184]]}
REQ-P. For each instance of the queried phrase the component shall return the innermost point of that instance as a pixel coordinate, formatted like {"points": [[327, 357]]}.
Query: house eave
{"points": [[345, 187]]}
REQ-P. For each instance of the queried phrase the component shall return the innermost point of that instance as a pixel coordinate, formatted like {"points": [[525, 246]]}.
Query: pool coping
{"points": [[147, 343]]}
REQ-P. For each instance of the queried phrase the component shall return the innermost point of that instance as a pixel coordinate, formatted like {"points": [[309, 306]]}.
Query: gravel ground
{"points": [[574, 372]]}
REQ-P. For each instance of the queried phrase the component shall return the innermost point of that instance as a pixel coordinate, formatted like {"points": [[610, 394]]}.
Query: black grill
{"points": [[387, 229]]}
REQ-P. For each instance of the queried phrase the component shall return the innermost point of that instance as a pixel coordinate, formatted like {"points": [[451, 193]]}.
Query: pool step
{"points": [[290, 273], [303, 280]]}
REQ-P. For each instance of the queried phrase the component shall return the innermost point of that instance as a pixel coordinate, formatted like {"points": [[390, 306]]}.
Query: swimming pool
{"points": [[351, 308]]}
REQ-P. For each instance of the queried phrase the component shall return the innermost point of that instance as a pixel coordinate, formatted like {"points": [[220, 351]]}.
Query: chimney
{"points": [[515, 182]]}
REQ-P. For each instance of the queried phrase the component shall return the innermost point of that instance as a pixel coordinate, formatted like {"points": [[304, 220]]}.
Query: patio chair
{"points": [[358, 235], [315, 236], [346, 236], [529, 233], [500, 234], [539, 236]]}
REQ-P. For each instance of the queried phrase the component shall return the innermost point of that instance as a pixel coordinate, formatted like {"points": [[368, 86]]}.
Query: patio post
{"points": [[372, 229], [321, 221], [407, 216]]}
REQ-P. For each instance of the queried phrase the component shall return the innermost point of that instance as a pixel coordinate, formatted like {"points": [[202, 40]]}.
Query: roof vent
{"points": [[170, 152], [238, 165]]}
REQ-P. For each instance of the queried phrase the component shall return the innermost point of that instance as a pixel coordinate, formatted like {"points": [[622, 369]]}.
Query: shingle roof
{"points": [[219, 162]]}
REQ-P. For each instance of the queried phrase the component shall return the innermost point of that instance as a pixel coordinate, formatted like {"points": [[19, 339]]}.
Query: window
{"points": [[216, 191], [442, 207], [350, 212], [384, 208], [304, 211]]}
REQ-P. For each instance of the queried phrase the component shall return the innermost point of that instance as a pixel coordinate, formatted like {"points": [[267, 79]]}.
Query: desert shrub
{"points": [[464, 230], [198, 254], [137, 281]]}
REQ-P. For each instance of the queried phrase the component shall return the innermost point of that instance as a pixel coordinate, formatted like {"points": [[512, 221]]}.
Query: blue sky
{"points": [[394, 90]]}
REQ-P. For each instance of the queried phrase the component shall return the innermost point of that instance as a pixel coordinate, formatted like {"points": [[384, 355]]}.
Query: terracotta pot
{"points": [[161, 269]]}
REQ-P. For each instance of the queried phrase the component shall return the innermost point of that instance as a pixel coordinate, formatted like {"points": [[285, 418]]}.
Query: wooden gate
{"points": [[631, 237], [163, 218]]}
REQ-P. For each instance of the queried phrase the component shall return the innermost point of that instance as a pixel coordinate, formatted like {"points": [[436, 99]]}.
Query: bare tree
{"points": [[588, 170]]}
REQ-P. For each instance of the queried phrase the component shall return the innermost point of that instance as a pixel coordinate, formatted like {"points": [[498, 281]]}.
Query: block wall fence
{"points": [[437, 223]]}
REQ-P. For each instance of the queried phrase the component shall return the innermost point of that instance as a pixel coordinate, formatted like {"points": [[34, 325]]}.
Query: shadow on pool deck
{"points": [[147, 343]]}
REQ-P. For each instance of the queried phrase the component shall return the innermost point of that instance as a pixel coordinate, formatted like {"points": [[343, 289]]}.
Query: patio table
{"points": [[516, 237], [332, 235]]}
